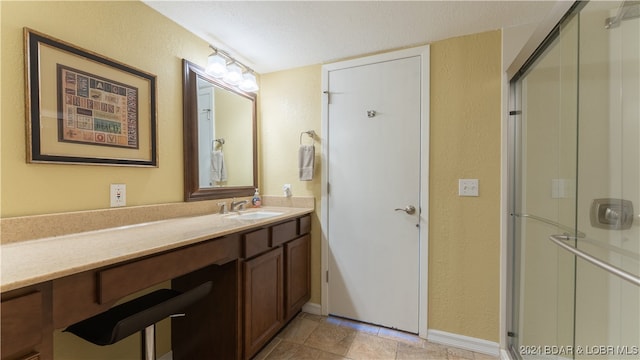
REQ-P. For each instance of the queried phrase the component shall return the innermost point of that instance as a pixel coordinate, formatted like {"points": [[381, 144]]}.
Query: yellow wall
{"points": [[289, 103], [129, 32], [464, 232], [465, 143]]}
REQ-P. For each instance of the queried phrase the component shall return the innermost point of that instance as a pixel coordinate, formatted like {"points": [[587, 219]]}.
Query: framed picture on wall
{"points": [[84, 108]]}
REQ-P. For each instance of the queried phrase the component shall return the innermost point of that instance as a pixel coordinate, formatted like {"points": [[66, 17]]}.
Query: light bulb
{"points": [[248, 83], [234, 74], [216, 66]]}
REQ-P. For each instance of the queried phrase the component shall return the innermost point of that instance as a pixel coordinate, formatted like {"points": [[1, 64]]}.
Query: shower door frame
{"points": [[544, 35], [512, 252], [513, 163]]}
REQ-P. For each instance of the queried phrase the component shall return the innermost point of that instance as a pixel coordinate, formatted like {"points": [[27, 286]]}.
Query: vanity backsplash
{"points": [[40, 226]]}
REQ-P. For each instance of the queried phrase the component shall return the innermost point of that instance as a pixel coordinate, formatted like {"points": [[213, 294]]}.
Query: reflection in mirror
{"points": [[219, 137], [224, 129]]}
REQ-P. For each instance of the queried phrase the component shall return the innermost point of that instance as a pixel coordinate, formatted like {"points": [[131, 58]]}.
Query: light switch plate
{"points": [[118, 195], [563, 188], [468, 187]]}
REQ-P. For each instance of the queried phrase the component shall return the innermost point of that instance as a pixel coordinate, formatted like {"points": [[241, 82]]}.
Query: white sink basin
{"points": [[255, 215]]}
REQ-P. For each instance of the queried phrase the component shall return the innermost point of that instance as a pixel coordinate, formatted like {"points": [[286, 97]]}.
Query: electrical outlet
{"points": [[468, 187], [118, 195]]}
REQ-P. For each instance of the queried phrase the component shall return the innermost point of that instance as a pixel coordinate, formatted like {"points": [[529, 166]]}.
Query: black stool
{"points": [[140, 314]]}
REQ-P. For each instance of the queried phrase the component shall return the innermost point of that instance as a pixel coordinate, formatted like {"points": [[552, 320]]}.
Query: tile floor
{"points": [[329, 338]]}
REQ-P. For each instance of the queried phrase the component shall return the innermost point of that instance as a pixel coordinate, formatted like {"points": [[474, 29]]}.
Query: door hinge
{"points": [[328, 187], [327, 276]]}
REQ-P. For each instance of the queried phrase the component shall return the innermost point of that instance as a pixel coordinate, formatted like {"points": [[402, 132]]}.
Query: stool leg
{"points": [[149, 342]]}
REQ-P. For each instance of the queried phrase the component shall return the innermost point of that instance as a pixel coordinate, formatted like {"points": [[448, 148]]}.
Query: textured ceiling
{"points": [[276, 35]]}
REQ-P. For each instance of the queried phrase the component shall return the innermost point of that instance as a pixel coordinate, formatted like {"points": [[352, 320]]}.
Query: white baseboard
{"points": [[167, 356], [312, 308], [464, 342]]}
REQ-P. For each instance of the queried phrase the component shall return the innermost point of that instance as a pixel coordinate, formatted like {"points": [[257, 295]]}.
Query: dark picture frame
{"points": [[84, 108]]}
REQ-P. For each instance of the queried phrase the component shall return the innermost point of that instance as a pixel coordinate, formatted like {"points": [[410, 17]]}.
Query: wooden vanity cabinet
{"points": [[261, 280], [252, 298], [277, 283], [26, 324]]}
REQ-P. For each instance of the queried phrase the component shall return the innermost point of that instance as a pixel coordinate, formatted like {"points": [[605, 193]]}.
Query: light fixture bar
{"points": [[221, 64]]}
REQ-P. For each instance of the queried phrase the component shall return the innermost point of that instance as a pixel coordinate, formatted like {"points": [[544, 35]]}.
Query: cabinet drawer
{"points": [[117, 282], [305, 225], [255, 243], [284, 232], [21, 323]]}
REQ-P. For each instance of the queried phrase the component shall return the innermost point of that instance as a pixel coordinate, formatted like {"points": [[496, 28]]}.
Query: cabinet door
{"points": [[21, 325], [297, 274], [263, 300]]}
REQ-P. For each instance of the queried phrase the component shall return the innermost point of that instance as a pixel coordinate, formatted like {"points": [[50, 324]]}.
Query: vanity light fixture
{"points": [[221, 65]]}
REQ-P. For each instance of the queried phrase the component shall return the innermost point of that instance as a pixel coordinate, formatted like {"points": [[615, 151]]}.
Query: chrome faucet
{"points": [[238, 205]]}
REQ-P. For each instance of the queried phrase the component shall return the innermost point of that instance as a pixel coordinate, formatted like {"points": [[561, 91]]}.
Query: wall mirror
{"points": [[219, 138]]}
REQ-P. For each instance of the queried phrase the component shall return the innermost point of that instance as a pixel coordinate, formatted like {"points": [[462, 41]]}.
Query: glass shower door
{"points": [[607, 320], [575, 190], [545, 128]]}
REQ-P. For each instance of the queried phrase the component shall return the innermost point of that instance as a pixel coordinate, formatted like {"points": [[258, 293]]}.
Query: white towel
{"points": [[218, 168], [306, 162]]}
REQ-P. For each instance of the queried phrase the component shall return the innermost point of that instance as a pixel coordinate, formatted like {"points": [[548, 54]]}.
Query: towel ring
{"points": [[311, 134], [219, 141]]}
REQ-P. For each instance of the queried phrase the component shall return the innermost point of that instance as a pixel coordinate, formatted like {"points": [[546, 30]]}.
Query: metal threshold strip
{"points": [[559, 240]]}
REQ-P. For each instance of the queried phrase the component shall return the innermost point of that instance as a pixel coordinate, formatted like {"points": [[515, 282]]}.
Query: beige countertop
{"points": [[30, 262]]}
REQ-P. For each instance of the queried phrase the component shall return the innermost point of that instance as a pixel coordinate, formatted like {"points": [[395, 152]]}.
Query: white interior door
{"points": [[374, 147], [206, 132]]}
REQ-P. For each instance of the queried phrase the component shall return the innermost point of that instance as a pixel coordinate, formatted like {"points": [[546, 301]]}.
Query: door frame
{"points": [[423, 53]]}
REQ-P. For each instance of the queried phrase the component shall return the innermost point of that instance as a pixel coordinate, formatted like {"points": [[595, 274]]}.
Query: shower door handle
{"points": [[409, 209]]}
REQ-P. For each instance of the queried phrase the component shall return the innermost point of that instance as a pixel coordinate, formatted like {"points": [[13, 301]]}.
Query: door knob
{"points": [[409, 209]]}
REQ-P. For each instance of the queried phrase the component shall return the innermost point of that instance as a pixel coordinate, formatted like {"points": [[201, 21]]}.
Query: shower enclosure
{"points": [[574, 232]]}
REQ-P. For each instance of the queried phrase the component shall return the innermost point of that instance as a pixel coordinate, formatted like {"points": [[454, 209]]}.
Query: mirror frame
{"points": [[192, 189]]}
